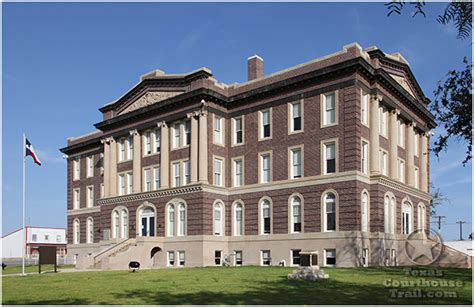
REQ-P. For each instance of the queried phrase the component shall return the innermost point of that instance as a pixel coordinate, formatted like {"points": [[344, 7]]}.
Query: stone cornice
{"points": [[149, 195], [83, 211], [394, 184]]}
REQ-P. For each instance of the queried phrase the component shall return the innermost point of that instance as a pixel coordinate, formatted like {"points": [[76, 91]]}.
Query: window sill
{"points": [[295, 132], [237, 144], [329, 125], [150, 155], [265, 139]]}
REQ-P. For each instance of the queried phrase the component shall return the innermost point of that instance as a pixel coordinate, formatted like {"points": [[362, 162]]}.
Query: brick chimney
{"points": [[255, 67]]}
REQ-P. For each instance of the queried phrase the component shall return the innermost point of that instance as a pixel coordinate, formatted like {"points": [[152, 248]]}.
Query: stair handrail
{"points": [[110, 248]]}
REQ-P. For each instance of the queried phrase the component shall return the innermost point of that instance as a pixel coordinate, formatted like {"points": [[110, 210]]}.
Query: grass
{"points": [[219, 285], [33, 268]]}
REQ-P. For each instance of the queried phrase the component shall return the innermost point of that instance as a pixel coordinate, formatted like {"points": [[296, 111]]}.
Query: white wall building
{"points": [[12, 243]]}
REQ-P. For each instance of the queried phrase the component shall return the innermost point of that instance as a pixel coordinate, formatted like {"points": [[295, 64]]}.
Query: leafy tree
{"points": [[452, 105]]}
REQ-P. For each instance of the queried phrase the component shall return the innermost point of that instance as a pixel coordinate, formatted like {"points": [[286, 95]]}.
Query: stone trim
{"points": [[149, 195], [83, 211]]}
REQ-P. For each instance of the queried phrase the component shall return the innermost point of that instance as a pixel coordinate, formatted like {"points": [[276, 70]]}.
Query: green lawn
{"points": [[32, 268], [219, 285]]}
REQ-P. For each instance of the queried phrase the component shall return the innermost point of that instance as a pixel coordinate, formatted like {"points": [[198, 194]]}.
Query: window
{"points": [[187, 132], [148, 143], [364, 162], [77, 168], [238, 126], [218, 127], [415, 143], [77, 232], [383, 162], [265, 168], [295, 256], [406, 218], [364, 109], [329, 158], [330, 257], [295, 214], [266, 258], [176, 135], [156, 174], [34, 237], [218, 219], [90, 231], [176, 174], [416, 175], [364, 212], [238, 173], [76, 199], [124, 219], [401, 170], [170, 257], [238, 219], [238, 258], [401, 134], [90, 196], [383, 121], [218, 172], [90, 166], [58, 238], [46, 237], [181, 257], [147, 175], [265, 214], [389, 214], [218, 257], [115, 224], [187, 172], [181, 220], [329, 211], [329, 113], [122, 184], [296, 117], [122, 150], [265, 124], [421, 217], [365, 257], [158, 141], [171, 224], [296, 163], [130, 148], [130, 183]]}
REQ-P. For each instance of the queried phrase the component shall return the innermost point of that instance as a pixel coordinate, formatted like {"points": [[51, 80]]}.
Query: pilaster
{"points": [[164, 155]]}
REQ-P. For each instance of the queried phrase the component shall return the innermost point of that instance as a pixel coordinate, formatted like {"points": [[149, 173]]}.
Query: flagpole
{"points": [[24, 208]]}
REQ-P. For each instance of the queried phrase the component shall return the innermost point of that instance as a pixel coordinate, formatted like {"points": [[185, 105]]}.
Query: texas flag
{"points": [[29, 151]]}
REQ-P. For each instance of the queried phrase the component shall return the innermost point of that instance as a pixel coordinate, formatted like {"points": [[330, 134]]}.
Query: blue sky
{"points": [[61, 62]]}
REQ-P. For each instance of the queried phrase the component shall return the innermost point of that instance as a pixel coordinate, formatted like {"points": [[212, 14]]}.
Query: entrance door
{"points": [[147, 222]]}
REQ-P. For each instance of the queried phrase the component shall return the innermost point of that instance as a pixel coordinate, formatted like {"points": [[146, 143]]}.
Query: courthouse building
{"points": [[328, 158]]}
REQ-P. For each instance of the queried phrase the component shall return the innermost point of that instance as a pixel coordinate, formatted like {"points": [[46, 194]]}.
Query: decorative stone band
{"points": [[401, 187], [149, 195], [108, 139]]}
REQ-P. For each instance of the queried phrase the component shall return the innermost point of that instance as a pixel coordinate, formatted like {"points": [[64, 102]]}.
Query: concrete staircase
{"points": [[102, 259]]}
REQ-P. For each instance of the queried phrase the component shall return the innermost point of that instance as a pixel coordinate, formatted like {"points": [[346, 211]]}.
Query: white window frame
{"points": [[407, 209], [171, 220], [76, 164], [294, 167], [90, 166], [218, 128], [383, 121], [181, 219], [90, 196], [364, 157], [177, 135], [269, 258], [324, 146], [122, 150], [181, 253], [234, 130], [176, 167], [416, 144], [401, 133], [416, 178], [292, 213], [156, 177], [76, 198], [186, 172], [218, 172], [326, 251], [76, 232], [89, 230], [261, 129], [261, 169], [325, 120], [218, 224], [383, 161], [129, 176], [122, 186], [364, 109], [364, 211], [168, 259], [292, 117], [236, 230], [325, 211], [237, 179], [147, 181], [263, 202], [401, 170]]}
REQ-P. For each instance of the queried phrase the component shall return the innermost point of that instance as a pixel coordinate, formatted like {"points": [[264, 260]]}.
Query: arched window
{"points": [[124, 218], [171, 224], [406, 218], [295, 214], [389, 214], [90, 230], [421, 217], [266, 217], [392, 214], [238, 219], [364, 212], [182, 220], [218, 219], [77, 232], [116, 224], [329, 207]]}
